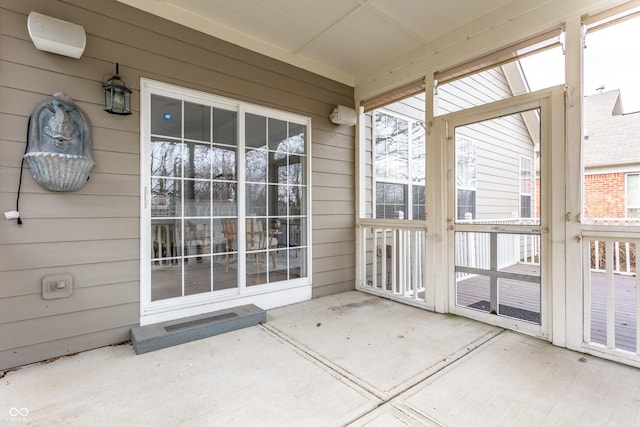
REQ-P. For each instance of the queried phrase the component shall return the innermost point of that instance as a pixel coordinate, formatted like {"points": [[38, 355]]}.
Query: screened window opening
{"points": [[399, 164], [611, 114]]}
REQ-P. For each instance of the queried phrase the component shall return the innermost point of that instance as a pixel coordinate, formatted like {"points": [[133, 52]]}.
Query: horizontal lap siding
{"points": [[93, 233], [499, 142]]}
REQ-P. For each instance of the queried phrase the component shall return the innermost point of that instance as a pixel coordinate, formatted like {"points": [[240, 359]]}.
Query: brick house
{"points": [[611, 158]]}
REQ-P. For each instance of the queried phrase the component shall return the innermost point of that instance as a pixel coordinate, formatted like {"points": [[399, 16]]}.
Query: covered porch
{"points": [[346, 359]]}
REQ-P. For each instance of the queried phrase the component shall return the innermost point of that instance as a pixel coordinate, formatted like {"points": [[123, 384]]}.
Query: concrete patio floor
{"points": [[346, 359]]}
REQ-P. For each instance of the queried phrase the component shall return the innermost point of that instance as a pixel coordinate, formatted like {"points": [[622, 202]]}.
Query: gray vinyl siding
{"points": [[499, 143], [94, 233]]}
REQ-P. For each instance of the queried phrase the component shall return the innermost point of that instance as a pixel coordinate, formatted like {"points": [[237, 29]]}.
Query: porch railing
{"points": [[393, 259], [623, 251], [611, 299], [472, 249]]}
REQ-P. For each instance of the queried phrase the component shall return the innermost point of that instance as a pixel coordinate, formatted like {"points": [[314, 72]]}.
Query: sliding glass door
{"points": [[226, 202]]}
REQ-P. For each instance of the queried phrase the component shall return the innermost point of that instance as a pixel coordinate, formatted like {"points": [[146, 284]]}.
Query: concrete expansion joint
{"points": [[384, 398]]}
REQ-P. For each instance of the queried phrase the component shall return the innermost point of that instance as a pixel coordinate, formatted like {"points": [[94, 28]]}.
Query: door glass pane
{"points": [[197, 122], [256, 165], [166, 116], [197, 198], [224, 126], [166, 157], [488, 169], [296, 143], [166, 197], [197, 160], [223, 161]]}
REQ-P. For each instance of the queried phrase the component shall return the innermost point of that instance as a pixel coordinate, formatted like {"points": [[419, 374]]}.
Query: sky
{"points": [[611, 59]]}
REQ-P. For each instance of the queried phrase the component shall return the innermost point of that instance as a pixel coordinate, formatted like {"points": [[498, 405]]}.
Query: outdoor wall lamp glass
{"points": [[117, 96]]}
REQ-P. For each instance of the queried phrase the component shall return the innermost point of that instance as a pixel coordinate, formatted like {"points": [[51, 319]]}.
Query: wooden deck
{"points": [[521, 300]]}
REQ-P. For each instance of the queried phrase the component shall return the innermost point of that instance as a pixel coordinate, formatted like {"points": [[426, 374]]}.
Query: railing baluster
{"points": [[611, 326], [414, 264], [383, 261], [374, 258], [586, 248]]}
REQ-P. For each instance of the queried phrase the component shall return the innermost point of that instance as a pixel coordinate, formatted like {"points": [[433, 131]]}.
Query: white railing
{"points": [[623, 261], [623, 251], [611, 300], [392, 259], [473, 249]]}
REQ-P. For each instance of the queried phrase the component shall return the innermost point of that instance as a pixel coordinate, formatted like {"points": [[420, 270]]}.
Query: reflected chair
{"points": [[256, 240]]}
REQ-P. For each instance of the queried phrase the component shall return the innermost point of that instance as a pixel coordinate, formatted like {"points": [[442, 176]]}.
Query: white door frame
{"points": [[552, 227], [265, 296]]}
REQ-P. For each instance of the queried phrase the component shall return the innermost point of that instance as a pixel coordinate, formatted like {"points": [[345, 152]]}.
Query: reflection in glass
{"points": [[256, 199], [391, 148], [165, 197], [224, 199], [197, 122], [297, 263], [296, 170], [166, 279], [166, 116], [223, 160], [277, 133], [166, 157], [418, 200], [197, 275], [255, 131], [224, 127], [256, 165], [223, 277], [165, 241], [391, 200], [297, 136], [197, 160], [197, 198], [197, 237], [297, 200]]}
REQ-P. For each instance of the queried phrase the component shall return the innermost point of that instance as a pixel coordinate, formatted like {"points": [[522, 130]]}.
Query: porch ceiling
{"points": [[339, 39]]}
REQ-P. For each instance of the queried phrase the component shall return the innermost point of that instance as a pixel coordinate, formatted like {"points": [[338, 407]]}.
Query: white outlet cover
{"points": [[50, 290]]}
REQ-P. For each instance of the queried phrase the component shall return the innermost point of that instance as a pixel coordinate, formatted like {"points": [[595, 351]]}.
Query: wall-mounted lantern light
{"points": [[117, 96]]}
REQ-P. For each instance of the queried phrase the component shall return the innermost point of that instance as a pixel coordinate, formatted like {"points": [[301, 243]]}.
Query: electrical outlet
{"points": [[57, 286]]}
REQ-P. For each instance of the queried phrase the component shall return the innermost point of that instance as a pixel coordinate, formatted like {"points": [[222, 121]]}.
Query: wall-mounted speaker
{"points": [[56, 36], [342, 115]]}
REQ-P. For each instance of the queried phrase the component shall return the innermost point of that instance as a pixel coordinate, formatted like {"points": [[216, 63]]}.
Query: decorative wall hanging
{"points": [[59, 147]]}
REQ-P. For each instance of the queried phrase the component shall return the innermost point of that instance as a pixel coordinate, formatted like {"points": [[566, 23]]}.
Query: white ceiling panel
{"points": [[432, 18], [284, 23], [339, 39], [359, 41]]}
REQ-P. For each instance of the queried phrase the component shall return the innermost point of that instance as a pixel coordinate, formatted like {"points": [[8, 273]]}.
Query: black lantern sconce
{"points": [[117, 96]]}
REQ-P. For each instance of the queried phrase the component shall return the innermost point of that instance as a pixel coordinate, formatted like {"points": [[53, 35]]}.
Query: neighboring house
{"points": [[611, 158]]}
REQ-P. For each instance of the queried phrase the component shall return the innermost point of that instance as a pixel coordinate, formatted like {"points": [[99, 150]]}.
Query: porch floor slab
{"points": [[346, 359]]}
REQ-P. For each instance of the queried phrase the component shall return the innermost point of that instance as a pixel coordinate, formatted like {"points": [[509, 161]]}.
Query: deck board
{"points": [[526, 296]]}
